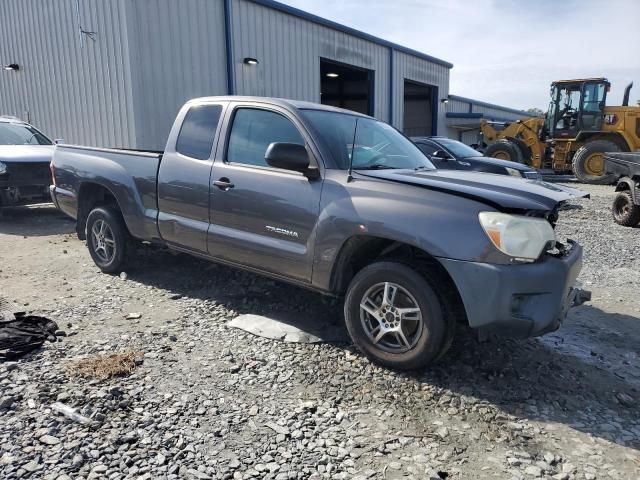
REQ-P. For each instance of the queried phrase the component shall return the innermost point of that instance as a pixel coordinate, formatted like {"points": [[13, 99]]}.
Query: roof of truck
{"points": [[283, 102]]}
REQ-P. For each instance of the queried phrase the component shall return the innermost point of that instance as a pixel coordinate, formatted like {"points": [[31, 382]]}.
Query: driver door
{"points": [[262, 217]]}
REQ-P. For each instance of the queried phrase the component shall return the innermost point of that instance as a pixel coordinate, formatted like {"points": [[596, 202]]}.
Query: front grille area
{"points": [[26, 174]]}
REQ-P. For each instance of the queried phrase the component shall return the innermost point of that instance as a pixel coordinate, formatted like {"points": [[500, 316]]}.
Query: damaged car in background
{"points": [[25, 155], [339, 203]]}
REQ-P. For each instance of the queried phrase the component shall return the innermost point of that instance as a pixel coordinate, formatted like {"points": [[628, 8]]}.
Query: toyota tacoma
{"points": [[339, 203]]}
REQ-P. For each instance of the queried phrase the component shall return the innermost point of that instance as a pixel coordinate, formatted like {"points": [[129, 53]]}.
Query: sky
{"points": [[507, 51]]}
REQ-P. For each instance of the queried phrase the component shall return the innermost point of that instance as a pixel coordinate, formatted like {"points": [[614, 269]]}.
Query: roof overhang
{"points": [[470, 120]]}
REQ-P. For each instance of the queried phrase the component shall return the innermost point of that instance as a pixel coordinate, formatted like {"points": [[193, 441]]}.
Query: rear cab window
{"points": [[253, 130], [198, 131]]}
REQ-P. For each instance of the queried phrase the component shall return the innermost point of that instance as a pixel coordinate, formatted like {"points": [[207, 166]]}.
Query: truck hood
{"points": [[26, 153], [501, 191]]}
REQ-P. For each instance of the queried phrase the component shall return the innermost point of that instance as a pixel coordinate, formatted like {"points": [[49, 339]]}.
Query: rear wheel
{"points": [[395, 317], [504, 150], [588, 162], [108, 239], [625, 212]]}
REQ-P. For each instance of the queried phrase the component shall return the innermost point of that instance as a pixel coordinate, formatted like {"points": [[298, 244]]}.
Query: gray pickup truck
{"points": [[339, 203]]}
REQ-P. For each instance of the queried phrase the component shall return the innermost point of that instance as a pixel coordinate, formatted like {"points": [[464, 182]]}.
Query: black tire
{"points": [[625, 212], [427, 345], [582, 162], [504, 150], [119, 236]]}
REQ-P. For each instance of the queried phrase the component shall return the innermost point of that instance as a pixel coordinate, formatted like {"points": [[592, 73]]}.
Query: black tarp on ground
{"points": [[23, 334]]}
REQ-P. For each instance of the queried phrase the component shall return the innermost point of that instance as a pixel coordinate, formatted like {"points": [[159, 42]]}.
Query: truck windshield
{"points": [[372, 145], [19, 134]]}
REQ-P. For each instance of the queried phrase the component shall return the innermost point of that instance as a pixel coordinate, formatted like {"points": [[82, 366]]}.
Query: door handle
{"points": [[223, 184]]}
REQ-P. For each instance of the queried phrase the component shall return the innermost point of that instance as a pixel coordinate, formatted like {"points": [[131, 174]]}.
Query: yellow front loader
{"points": [[575, 133]]}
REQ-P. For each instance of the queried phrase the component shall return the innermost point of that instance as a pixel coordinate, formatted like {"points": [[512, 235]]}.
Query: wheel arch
{"points": [[91, 195], [627, 184], [359, 251], [615, 137]]}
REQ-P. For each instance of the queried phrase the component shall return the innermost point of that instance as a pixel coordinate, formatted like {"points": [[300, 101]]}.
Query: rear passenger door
{"points": [[262, 217], [183, 178]]}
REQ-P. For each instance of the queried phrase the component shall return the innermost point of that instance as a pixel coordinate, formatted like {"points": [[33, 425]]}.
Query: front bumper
{"points": [[519, 300], [23, 195]]}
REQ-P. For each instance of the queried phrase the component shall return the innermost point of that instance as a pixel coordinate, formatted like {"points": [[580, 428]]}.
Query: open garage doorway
{"points": [[420, 109], [346, 86]]}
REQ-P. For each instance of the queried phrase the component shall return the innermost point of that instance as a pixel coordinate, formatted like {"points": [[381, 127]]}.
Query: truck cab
{"points": [[576, 105]]}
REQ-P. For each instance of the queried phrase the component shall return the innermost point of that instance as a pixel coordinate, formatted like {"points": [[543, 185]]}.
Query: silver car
{"points": [[25, 155]]}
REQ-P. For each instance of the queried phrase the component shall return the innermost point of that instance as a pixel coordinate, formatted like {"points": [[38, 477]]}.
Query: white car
{"points": [[25, 155]]}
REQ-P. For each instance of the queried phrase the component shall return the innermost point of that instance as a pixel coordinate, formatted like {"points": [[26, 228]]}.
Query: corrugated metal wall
{"points": [[418, 70], [177, 53], [79, 94], [289, 51], [149, 56], [489, 112], [457, 106], [497, 113]]}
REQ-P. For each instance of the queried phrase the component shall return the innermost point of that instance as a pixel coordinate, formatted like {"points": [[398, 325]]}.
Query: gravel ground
{"points": [[208, 401]]}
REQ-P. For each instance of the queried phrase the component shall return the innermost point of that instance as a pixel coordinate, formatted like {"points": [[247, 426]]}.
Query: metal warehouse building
{"points": [[115, 72], [463, 116]]}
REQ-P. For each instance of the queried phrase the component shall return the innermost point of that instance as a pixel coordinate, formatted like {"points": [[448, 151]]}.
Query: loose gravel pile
{"points": [[211, 402]]}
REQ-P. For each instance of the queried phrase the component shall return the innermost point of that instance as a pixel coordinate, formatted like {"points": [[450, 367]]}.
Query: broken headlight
{"points": [[520, 237]]}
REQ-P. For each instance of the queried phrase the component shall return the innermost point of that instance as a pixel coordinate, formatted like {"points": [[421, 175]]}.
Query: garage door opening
{"points": [[346, 86], [419, 109]]}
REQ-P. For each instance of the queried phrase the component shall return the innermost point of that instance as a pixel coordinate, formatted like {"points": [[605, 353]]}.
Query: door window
{"points": [[252, 132], [427, 148], [198, 130], [568, 105]]}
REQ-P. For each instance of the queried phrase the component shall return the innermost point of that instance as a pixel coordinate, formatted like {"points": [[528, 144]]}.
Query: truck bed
{"points": [[623, 164], [130, 175]]}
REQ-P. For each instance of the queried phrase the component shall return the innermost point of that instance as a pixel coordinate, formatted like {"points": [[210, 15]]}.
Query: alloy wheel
{"points": [[391, 317], [103, 241]]}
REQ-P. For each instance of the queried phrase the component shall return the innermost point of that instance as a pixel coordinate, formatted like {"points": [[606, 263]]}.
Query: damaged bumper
{"points": [[520, 300], [23, 195]]}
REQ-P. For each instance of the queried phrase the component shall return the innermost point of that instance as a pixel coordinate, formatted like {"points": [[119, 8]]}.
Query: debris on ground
{"points": [[103, 367], [70, 413], [303, 330], [25, 333]]}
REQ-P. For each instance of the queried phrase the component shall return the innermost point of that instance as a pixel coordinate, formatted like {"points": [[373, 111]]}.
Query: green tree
{"points": [[535, 112]]}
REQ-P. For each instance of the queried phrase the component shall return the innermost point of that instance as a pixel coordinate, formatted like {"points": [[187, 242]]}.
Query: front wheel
{"points": [[589, 165], [395, 317], [505, 150], [107, 239]]}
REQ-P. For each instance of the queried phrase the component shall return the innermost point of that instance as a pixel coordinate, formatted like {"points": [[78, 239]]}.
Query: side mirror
{"points": [[58, 140], [441, 154], [290, 156]]}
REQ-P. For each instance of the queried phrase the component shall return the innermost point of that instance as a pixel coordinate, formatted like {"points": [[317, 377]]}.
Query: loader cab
{"points": [[576, 105]]}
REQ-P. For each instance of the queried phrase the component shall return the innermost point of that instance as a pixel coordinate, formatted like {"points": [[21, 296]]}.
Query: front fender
{"points": [[438, 223]]}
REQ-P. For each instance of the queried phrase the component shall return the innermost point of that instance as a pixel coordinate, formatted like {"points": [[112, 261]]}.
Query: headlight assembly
{"points": [[513, 172], [3, 168], [523, 238]]}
